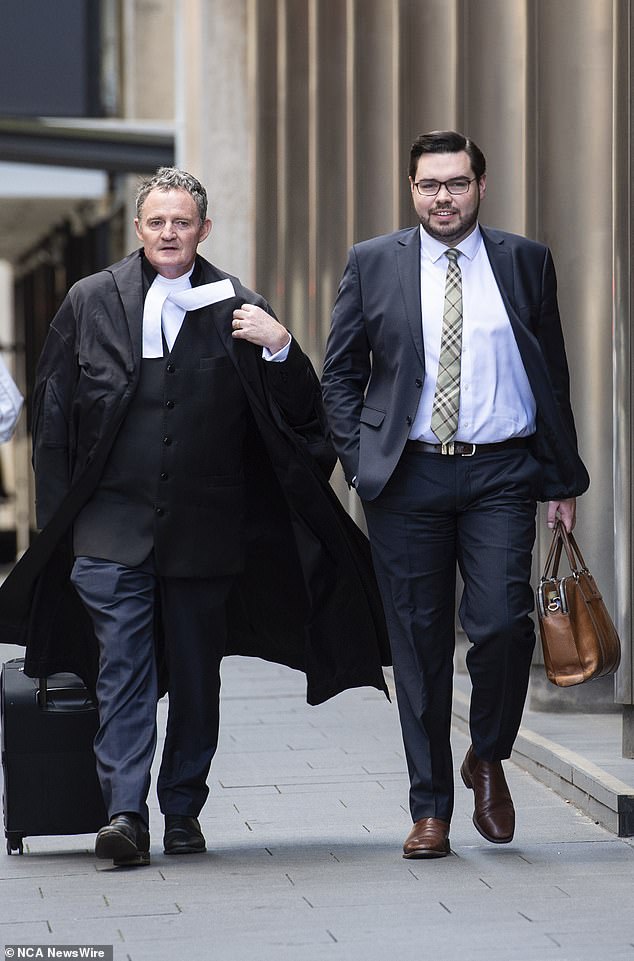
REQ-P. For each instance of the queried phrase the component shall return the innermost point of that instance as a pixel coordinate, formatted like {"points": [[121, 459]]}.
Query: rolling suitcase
{"points": [[48, 763]]}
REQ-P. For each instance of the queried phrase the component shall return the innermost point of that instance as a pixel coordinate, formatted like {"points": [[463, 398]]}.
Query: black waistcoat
{"points": [[174, 480]]}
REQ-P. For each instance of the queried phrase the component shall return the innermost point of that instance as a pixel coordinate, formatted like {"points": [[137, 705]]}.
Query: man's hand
{"points": [[565, 511], [254, 324]]}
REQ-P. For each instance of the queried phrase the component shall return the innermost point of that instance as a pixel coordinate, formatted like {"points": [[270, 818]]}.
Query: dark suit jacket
{"points": [[306, 596], [374, 367]]}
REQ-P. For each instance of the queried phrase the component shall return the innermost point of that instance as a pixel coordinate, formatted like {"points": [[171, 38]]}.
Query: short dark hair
{"points": [[446, 141], [171, 178]]}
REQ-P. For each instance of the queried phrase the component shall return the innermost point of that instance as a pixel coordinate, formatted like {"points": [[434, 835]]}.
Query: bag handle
{"points": [[566, 541], [554, 554]]}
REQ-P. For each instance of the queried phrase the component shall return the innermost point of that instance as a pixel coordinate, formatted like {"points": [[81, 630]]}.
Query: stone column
{"points": [[213, 113]]}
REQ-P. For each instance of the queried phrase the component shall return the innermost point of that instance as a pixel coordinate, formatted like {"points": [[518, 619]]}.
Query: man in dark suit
{"points": [[182, 472], [446, 388]]}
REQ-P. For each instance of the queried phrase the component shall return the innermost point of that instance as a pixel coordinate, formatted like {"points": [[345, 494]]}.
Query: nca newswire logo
{"points": [[94, 952]]}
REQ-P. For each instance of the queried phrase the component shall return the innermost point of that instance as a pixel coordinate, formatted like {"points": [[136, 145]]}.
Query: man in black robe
{"points": [[181, 464]]}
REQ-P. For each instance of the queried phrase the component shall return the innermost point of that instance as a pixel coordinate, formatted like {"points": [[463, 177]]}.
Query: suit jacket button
{"points": [[164, 476], [159, 511], [169, 404], [408, 420], [170, 368], [167, 441], [419, 382]]}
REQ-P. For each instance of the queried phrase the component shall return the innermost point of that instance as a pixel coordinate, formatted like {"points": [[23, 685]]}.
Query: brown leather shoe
{"points": [[429, 838], [494, 814]]}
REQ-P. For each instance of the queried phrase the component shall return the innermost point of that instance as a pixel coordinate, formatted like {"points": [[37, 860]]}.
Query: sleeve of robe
{"points": [[296, 392], [55, 382]]}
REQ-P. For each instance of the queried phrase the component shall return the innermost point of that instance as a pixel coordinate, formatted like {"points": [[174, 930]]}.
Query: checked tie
{"points": [[444, 415]]}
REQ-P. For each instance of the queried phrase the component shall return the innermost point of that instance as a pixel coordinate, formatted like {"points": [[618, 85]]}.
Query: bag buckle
{"points": [[550, 597]]}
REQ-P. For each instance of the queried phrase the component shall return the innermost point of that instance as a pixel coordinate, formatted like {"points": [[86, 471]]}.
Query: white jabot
{"points": [[168, 301], [496, 400]]}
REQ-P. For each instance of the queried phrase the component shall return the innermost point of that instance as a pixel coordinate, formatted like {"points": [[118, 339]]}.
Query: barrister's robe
{"points": [[307, 596]]}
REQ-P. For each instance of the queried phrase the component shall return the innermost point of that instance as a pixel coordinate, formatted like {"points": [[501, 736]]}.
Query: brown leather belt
{"points": [[461, 449]]}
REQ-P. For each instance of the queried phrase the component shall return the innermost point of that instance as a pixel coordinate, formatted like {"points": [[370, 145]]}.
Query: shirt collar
{"points": [[433, 249]]}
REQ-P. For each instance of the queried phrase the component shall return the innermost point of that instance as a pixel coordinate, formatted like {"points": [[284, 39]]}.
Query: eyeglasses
{"points": [[429, 188]]}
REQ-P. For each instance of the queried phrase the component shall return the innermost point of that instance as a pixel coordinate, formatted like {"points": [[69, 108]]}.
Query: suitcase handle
{"points": [[63, 699], [42, 694]]}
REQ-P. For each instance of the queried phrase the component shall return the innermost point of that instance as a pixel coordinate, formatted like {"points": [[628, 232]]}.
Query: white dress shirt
{"points": [[11, 402], [496, 400]]}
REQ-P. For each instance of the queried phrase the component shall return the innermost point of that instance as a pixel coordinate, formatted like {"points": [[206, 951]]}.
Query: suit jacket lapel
{"points": [[408, 267], [501, 261]]}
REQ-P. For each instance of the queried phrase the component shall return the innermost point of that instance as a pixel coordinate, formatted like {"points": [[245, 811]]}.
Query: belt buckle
{"points": [[450, 449]]}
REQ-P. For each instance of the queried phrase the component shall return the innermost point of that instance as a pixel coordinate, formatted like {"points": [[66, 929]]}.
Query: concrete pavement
{"points": [[304, 824]]}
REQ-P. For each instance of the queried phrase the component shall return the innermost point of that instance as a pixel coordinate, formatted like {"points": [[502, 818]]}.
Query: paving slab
{"points": [[304, 824]]}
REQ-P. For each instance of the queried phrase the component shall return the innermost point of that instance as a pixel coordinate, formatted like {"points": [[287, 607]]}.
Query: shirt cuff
{"points": [[280, 355]]}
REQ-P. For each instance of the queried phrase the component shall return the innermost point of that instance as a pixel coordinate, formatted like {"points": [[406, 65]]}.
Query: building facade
{"points": [[299, 116]]}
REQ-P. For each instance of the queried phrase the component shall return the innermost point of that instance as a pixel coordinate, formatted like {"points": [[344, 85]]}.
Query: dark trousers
{"points": [[478, 513], [122, 603]]}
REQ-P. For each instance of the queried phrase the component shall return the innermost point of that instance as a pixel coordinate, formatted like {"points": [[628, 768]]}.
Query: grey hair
{"points": [[171, 178]]}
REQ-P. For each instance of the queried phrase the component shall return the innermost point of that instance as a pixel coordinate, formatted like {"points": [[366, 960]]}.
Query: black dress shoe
{"points": [[125, 839], [183, 835]]}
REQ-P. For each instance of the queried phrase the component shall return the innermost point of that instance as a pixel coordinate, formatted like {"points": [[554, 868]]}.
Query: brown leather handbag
{"points": [[578, 637]]}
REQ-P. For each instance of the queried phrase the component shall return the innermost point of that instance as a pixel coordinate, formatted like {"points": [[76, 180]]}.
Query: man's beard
{"points": [[455, 231]]}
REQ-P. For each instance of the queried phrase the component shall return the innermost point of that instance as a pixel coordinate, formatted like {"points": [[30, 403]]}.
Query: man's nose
{"points": [[443, 193], [168, 229]]}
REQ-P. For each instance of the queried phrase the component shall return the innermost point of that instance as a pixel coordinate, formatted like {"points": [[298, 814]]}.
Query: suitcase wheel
{"points": [[14, 842]]}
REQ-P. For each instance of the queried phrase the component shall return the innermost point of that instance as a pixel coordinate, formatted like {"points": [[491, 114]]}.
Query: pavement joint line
{"points": [[335, 779]]}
